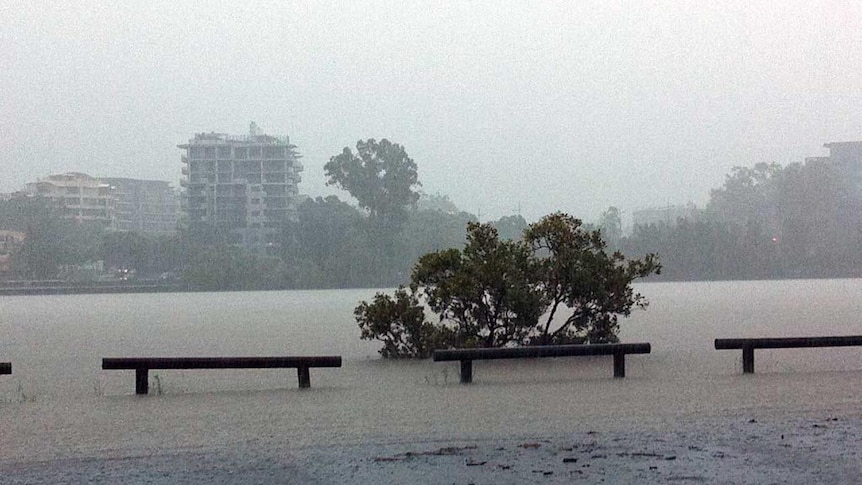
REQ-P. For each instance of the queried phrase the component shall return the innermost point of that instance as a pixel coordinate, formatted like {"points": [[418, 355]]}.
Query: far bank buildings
{"points": [[245, 185], [119, 204]]}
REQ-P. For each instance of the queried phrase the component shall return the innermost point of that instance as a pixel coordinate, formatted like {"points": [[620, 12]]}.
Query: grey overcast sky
{"points": [[536, 105]]}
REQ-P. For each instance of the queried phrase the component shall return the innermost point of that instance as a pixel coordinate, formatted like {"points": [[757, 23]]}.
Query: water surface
{"points": [[60, 404]]}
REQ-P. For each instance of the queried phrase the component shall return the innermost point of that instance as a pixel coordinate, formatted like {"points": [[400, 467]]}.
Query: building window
{"points": [[273, 152]]}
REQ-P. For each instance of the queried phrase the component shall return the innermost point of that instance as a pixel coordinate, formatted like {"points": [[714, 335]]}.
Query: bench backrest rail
{"points": [[749, 344], [142, 365], [787, 342], [467, 356], [218, 362], [540, 351]]}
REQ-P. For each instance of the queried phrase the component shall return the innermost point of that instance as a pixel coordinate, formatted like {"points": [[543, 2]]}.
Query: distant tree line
{"points": [[765, 221]]}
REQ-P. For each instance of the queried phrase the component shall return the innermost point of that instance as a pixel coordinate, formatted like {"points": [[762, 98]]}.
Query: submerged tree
{"points": [[487, 290], [399, 323], [576, 273], [496, 293]]}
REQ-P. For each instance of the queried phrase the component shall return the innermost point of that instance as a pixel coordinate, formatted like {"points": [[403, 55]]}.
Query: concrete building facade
{"points": [[10, 242], [79, 197], [848, 156], [144, 205], [247, 185], [120, 204]]}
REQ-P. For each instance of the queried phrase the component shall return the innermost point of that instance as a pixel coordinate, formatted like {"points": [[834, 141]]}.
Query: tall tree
{"points": [[382, 178], [611, 225]]}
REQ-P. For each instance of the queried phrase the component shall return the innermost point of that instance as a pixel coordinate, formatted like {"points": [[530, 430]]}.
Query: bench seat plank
{"points": [[467, 356], [787, 342], [538, 351], [749, 344], [142, 365], [115, 363]]}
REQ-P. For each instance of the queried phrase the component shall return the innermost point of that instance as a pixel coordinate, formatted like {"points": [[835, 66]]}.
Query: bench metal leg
{"points": [[466, 371], [142, 380], [748, 360], [619, 365], [304, 377]]}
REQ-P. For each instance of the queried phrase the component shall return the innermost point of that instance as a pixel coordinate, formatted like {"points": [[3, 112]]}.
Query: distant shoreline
{"points": [[53, 287], [57, 287]]}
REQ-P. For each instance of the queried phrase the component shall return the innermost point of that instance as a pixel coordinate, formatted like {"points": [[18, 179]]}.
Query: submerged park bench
{"points": [[467, 356], [142, 365], [749, 344], [5, 368]]}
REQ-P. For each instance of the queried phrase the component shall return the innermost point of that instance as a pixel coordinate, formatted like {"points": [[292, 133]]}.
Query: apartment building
{"points": [[245, 184], [120, 204], [78, 195], [144, 205]]}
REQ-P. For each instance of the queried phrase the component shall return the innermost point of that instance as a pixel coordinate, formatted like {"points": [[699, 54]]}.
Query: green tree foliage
{"points": [[231, 268], [510, 227], [487, 290], [611, 225], [431, 230], [436, 202], [766, 221], [51, 242], [328, 247], [495, 292], [382, 178], [576, 272], [399, 322]]}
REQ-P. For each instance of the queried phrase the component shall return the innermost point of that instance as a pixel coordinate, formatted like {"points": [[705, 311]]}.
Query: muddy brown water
{"points": [[60, 404]]}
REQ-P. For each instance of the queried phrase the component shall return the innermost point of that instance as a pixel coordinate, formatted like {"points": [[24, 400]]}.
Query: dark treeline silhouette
{"points": [[766, 221]]}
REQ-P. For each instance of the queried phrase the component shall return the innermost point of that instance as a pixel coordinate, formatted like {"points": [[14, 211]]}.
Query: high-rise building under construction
{"points": [[247, 186]]}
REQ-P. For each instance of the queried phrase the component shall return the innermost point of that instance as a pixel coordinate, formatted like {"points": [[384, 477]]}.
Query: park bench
{"points": [[749, 344], [5, 368], [142, 365], [467, 356]]}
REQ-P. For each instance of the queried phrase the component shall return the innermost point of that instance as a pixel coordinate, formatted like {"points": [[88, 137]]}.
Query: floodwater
{"points": [[59, 403]]}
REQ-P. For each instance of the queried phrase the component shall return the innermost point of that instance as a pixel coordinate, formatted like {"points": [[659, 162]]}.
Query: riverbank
{"points": [[58, 287]]}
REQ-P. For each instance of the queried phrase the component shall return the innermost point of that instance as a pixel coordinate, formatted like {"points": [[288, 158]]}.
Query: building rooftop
{"points": [[843, 144]]}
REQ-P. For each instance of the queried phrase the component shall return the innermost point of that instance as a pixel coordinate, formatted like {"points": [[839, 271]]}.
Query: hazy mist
{"points": [[545, 106]]}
